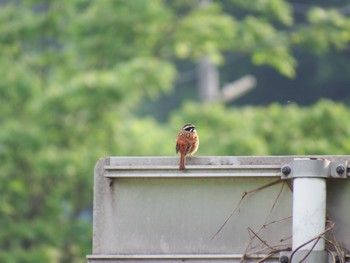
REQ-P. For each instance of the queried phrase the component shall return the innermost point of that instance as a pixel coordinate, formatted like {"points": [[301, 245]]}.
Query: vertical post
{"points": [[208, 78], [309, 210]]}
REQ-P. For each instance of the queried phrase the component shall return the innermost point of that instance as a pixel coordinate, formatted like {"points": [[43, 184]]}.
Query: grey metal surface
{"points": [[313, 257], [314, 167], [178, 258], [145, 206]]}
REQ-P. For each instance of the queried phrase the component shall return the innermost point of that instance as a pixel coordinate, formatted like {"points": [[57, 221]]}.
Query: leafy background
{"points": [[83, 79]]}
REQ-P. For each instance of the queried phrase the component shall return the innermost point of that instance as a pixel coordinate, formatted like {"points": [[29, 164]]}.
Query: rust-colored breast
{"points": [[187, 142]]}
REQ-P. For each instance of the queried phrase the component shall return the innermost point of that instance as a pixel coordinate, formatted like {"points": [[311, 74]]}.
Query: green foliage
{"points": [[326, 29], [275, 9], [267, 45], [209, 24], [275, 130], [112, 31], [269, 33]]}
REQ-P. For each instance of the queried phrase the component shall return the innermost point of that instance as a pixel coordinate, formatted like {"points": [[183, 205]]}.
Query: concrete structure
{"points": [[221, 209]]}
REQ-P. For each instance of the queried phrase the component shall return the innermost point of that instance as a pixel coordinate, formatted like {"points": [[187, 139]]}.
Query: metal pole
{"points": [[309, 210], [208, 78]]}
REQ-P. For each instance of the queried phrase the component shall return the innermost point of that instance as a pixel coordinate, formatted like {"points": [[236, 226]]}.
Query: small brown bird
{"points": [[187, 142]]}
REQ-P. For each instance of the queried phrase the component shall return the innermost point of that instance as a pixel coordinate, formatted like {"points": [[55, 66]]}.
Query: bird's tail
{"points": [[182, 162]]}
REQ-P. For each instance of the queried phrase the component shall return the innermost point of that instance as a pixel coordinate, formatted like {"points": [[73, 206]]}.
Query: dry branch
{"points": [[240, 201]]}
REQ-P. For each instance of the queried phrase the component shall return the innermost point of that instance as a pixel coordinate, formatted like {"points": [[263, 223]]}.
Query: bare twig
{"points": [[276, 248], [268, 256], [274, 204], [241, 200], [261, 240], [316, 239], [276, 221], [337, 249], [252, 234], [273, 249], [290, 186], [255, 251], [284, 239], [334, 260], [312, 248]]}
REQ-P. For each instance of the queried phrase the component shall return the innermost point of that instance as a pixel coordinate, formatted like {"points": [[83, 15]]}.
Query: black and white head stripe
{"points": [[189, 127]]}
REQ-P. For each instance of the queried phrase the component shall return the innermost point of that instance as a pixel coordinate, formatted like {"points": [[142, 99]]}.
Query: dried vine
{"points": [[337, 252]]}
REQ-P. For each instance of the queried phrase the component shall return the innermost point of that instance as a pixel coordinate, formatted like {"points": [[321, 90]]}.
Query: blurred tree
{"points": [[306, 42], [73, 73], [319, 38], [67, 87], [272, 130]]}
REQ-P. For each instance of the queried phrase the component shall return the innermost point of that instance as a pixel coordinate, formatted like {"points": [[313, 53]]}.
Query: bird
{"points": [[187, 142]]}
